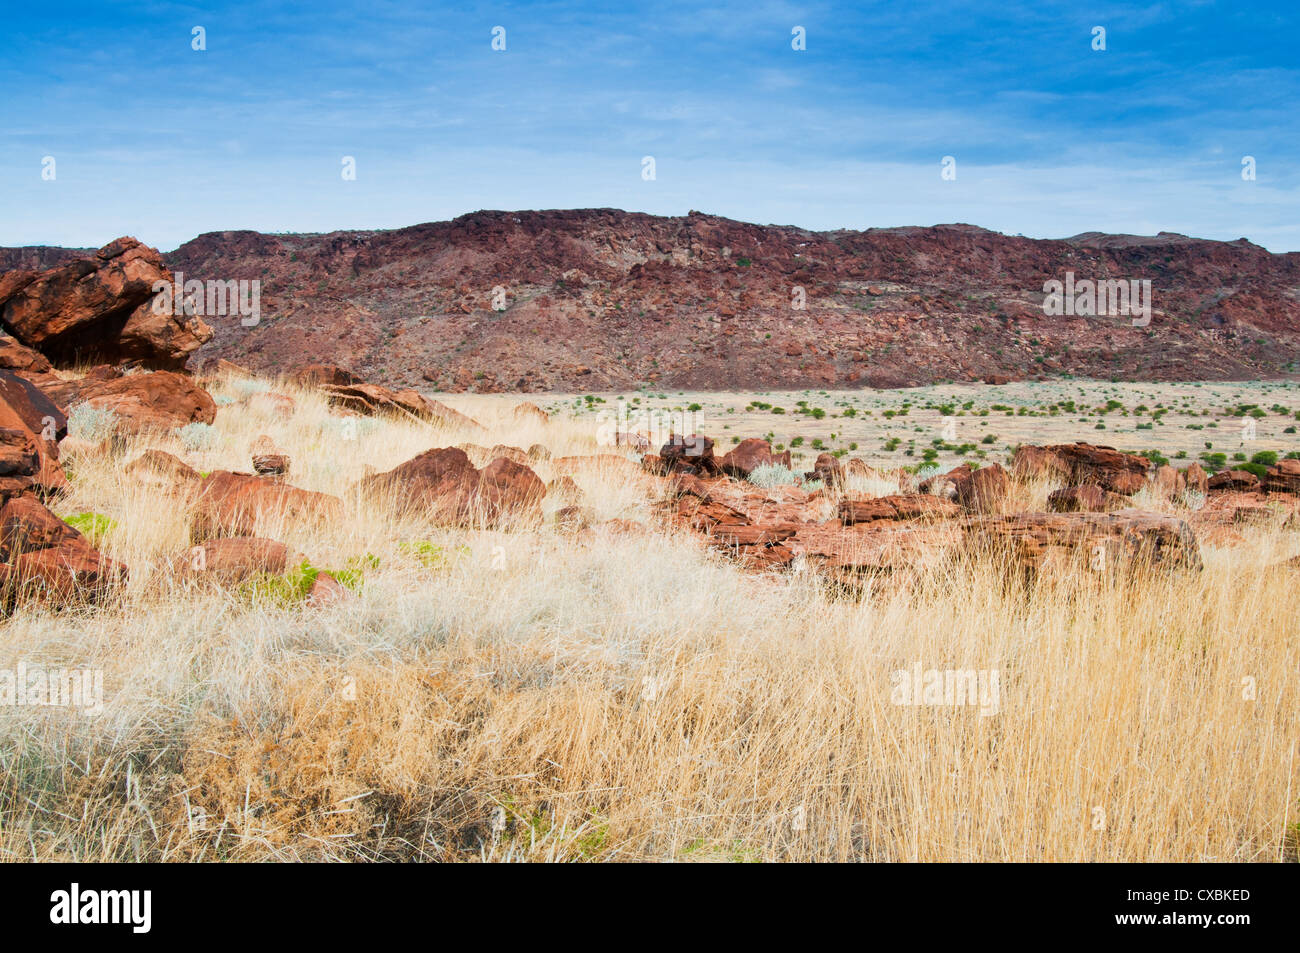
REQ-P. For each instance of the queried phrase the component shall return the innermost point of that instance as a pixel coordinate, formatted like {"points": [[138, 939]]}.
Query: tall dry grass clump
{"points": [[521, 694]]}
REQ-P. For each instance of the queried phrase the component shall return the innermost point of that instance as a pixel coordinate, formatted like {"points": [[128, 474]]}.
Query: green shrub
{"points": [[94, 526], [431, 555]]}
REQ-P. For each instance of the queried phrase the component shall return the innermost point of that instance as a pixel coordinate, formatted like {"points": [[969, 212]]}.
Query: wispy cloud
{"points": [[1051, 137]]}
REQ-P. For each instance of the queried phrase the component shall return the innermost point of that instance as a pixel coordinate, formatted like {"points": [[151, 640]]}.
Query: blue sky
{"points": [[1051, 138]]}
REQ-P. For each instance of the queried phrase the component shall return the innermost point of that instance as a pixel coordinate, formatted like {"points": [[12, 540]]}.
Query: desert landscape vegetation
{"points": [[337, 618]]}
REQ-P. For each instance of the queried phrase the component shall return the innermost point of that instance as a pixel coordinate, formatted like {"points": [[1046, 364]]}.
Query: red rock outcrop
{"points": [[981, 489], [604, 300], [1083, 463], [1085, 499], [1234, 481], [101, 308], [346, 390], [1196, 479], [161, 470], [1284, 477], [234, 504], [26, 409], [913, 506], [447, 488], [42, 558], [747, 456], [1126, 539], [235, 558], [691, 455], [161, 400]]}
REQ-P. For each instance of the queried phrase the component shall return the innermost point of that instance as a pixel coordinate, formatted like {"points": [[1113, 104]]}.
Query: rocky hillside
{"points": [[601, 299]]}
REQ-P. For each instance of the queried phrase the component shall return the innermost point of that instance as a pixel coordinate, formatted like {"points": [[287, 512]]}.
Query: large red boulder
{"points": [[161, 400], [1235, 481], [1284, 477], [981, 490], [1084, 463], [235, 558], [101, 308], [746, 457], [1127, 539], [505, 486], [26, 409], [447, 488], [43, 558], [693, 455], [238, 504], [913, 506], [1085, 499], [440, 481]]}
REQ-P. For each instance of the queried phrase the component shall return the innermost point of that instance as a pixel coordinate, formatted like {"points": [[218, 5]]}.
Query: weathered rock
{"points": [[1225, 511], [564, 489], [986, 490], [537, 453], [744, 458], [371, 399], [162, 400], [1038, 463], [531, 412], [506, 487], [439, 481], [1083, 463], [161, 470], [914, 506], [1085, 499], [26, 408], [1126, 539], [1233, 480], [981, 490], [234, 504], [19, 463], [447, 488], [327, 591], [236, 558], [604, 463], [573, 519], [1196, 479], [827, 469], [510, 453], [272, 404], [323, 375], [1167, 482], [101, 307], [22, 360], [882, 548], [271, 464], [43, 558], [693, 454], [1283, 477]]}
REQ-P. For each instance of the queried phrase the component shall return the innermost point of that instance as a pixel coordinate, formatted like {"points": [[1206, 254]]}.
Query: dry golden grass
{"points": [[531, 697]]}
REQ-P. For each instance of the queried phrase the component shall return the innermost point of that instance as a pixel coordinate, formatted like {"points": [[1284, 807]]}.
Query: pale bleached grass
{"points": [[544, 697]]}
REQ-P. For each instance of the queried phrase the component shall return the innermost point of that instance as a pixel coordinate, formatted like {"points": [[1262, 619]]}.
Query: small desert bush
{"points": [[768, 475], [91, 424]]}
